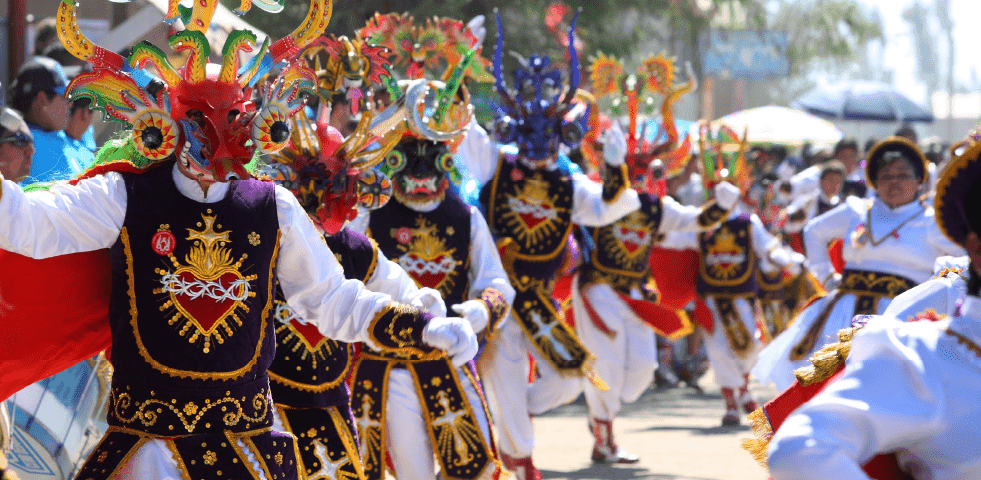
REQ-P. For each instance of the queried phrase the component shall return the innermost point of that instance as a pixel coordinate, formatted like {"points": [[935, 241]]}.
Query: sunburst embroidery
{"points": [[209, 290], [629, 240], [425, 256], [301, 338], [531, 212], [724, 256]]}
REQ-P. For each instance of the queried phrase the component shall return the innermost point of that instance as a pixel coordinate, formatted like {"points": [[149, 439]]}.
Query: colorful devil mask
{"points": [[421, 171], [655, 75], [541, 114], [346, 69], [426, 124], [330, 175], [723, 157], [201, 113]]}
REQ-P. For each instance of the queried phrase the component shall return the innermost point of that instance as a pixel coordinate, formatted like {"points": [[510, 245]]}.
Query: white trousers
{"points": [[408, 439], [504, 372], [626, 361], [730, 369]]}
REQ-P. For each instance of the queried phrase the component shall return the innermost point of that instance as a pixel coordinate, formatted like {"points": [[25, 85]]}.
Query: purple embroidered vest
{"points": [[533, 208], [309, 370], [728, 262], [621, 251], [190, 310], [433, 247]]}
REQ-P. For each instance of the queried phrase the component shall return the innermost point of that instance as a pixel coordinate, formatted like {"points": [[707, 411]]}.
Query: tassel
{"points": [[761, 429]]}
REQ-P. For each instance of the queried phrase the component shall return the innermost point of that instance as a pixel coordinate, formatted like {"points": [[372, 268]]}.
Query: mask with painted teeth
{"points": [[419, 171]]}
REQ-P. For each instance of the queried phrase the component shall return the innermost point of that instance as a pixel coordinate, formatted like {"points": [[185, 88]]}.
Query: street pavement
{"points": [[676, 433]]}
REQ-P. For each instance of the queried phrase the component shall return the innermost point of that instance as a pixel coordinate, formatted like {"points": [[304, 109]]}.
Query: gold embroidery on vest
{"points": [[426, 254], [210, 275], [134, 320]]}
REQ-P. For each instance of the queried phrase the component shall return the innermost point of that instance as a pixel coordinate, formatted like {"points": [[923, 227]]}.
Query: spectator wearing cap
{"points": [[38, 92], [16, 145]]}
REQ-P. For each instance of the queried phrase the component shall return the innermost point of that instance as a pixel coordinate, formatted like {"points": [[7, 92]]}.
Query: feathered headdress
{"points": [[656, 74], [201, 112], [723, 156], [435, 46]]}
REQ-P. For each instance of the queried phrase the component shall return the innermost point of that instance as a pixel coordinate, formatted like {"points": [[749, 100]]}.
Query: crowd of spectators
{"points": [[44, 136]]}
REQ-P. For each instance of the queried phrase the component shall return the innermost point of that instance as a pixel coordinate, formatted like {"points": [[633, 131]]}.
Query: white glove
{"points": [[430, 301], [454, 336], [614, 145], [726, 195], [476, 26], [475, 312], [797, 262]]}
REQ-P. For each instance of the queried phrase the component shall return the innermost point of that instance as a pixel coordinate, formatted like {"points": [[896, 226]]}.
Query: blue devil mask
{"points": [[539, 114]]}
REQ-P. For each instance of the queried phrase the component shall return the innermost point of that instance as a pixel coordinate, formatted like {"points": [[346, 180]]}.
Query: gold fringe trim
{"points": [[761, 429], [594, 378], [828, 360], [946, 270]]}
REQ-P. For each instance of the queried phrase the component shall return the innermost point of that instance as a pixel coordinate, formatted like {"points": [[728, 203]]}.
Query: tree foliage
{"points": [[829, 32], [824, 30]]}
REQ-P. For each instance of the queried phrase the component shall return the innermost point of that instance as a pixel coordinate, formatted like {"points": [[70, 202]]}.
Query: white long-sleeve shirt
{"points": [[908, 388], [89, 216], [909, 253], [481, 156]]}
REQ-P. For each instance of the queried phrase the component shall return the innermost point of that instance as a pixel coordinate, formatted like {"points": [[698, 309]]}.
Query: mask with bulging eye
{"points": [[201, 114], [421, 171]]}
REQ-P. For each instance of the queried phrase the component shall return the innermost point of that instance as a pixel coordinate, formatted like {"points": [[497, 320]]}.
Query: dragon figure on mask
{"points": [[202, 114], [439, 43]]}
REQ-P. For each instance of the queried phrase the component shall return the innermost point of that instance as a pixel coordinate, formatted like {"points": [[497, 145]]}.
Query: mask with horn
{"points": [[346, 68], [331, 175], [425, 125], [541, 114], [434, 46], [723, 157], [201, 114], [649, 162]]}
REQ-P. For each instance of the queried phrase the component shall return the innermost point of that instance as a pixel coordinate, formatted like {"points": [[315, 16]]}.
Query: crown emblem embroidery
{"points": [[724, 256], [426, 258], [207, 292]]}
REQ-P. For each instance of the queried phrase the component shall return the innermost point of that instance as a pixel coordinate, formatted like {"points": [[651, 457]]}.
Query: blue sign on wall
{"points": [[749, 54]]}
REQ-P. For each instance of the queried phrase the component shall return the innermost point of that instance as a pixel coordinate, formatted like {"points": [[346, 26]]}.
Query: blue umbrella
{"points": [[861, 100]]}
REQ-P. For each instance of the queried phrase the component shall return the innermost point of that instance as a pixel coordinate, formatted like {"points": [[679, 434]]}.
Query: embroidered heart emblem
{"points": [[309, 335], [432, 272], [207, 304], [532, 215]]}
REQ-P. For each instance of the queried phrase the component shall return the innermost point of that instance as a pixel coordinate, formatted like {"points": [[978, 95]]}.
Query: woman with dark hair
{"points": [[908, 388], [890, 244]]}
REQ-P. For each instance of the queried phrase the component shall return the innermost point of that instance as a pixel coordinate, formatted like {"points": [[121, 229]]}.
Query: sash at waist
{"points": [[863, 282], [174, 412]]}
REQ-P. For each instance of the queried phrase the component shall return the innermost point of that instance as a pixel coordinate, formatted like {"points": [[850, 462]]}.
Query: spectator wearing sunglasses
{"points": [[16, 145], [38, 92]]}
